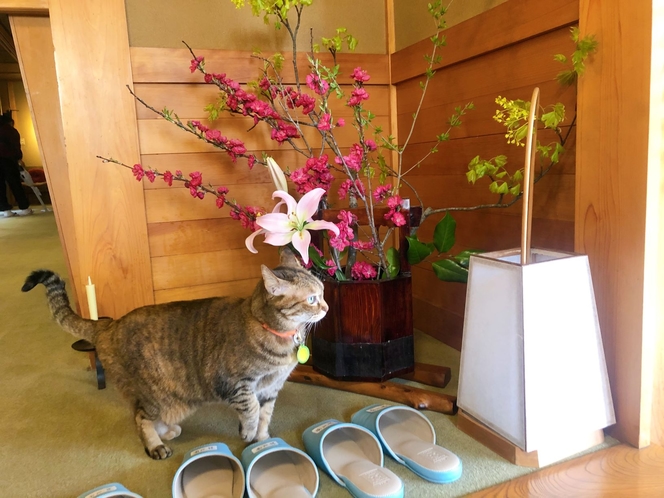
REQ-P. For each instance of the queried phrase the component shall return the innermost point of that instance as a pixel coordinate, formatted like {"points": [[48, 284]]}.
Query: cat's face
{"points": [[294, 292]]}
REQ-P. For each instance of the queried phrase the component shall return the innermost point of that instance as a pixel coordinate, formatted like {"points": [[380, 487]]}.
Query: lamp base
{"points": [[561, 448]]}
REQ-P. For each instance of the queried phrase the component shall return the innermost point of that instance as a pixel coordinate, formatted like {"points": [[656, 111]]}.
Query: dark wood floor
{"points": [[619, 471]]}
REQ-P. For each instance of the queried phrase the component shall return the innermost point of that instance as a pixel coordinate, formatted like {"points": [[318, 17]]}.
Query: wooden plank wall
{"points": [[483, 60], [197, 250], [618, 194]]}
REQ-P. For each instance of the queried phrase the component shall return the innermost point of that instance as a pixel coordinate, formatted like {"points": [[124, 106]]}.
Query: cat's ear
{"points": [[273, 284], [289, 259]]}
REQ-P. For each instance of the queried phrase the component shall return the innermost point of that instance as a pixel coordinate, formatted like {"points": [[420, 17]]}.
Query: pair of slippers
{"points": [[270, 468], [352, 453]]}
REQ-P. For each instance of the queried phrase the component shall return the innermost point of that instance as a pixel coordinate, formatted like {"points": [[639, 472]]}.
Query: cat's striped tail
{"points": [[58, 302]]}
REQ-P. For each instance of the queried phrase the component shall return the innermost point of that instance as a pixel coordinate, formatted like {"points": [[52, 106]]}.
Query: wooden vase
{"points": [[367, 334]]}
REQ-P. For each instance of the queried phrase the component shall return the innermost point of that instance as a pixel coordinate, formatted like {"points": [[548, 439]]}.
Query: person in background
{"points": [[10, 173]]}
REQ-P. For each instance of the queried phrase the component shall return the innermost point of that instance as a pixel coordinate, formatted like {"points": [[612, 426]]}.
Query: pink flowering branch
{"points": [[246, 215]]}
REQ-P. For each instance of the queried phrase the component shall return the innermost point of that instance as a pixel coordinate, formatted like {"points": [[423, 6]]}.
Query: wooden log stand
{"points": [[367, 336]]}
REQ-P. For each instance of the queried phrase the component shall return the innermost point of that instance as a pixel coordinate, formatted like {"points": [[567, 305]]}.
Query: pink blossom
{"points": [[150, 175], [356, 188], [358, 95], [398, 219], [168, 178], [178, 173], [360, 75], [315, 174], [324, 123], [332, 267], [283, 132], [317, 84], [362, 270], [346, 234], [360, 245], [195, 63], [393, 202], [370, 144], [196, 180], [221, 196], [381, 192], [354, 159], [347, 217], [251, 160], [341, 122], [138, 171]]}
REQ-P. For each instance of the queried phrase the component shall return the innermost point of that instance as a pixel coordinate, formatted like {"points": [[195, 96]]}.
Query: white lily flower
{"points": [[278, 177], [293, 226]]}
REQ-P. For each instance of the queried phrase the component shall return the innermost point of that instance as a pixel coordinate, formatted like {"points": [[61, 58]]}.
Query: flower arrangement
{"points": [[368, 178]]}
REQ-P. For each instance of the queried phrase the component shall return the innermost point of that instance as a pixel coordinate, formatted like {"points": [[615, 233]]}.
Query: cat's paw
{"points": [[160, 452], [247, 433], [262, 436], [172, 432]]}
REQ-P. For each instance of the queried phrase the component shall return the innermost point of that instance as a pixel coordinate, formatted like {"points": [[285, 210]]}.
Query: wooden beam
{"points": [[99, 117], [34, 47], [24, 7], [611, 192], [654, 280]]}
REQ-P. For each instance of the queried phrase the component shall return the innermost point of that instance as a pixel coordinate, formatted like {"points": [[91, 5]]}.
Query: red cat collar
{"points": [[288, 333]]}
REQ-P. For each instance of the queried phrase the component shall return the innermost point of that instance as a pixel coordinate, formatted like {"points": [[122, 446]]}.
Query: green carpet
{"points": [[60, 436]]}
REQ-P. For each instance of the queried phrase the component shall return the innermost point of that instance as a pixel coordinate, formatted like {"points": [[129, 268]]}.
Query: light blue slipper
{"points": [[351, 455], [409, 438], [111, 490], [209, 470], [274, 469]]}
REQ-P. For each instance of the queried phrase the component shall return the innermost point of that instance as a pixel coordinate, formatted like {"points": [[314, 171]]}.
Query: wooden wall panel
{"points": [[611, 189], [99, 117], [504, 25], [196, 249], [508, 64], [171, 65]]}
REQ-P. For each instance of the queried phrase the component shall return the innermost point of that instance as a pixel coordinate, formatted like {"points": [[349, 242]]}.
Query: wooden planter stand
{"points": [[367, 335]]}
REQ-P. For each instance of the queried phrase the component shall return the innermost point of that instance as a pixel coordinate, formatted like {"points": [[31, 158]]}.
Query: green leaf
{"points": [[317, 260], [555, 157], [417, 251], [560, 58], [393, 265], [444, 233], [450, 271], [463, 258], [500, 161]]}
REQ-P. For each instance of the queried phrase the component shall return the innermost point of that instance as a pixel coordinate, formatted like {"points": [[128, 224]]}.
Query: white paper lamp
{"points": [[532, 362]]}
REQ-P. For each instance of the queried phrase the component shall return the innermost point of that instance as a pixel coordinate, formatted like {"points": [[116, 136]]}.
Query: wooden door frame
{"points": [[102, 224]]}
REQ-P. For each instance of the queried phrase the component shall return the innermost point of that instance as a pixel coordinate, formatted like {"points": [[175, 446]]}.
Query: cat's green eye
{"points": [[312, 299]]}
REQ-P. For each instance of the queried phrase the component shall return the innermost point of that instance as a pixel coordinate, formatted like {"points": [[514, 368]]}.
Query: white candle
{"points": [[92, 300]]}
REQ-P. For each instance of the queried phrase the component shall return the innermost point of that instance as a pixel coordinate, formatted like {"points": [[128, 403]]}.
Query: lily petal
{"points": [[249, 241], [287, 198], [278, 177], [308, 204], [274, 222], [278, 239], [277, 207], [322, 225], [301, 241]]}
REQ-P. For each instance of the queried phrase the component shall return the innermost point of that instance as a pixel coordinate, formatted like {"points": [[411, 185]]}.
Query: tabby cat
{"points": [[169, 359]]}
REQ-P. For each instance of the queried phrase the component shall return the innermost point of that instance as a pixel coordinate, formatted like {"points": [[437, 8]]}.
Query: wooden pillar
{"points": [[99, 117], [34, 48], [654, 308], [612, 176]]}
